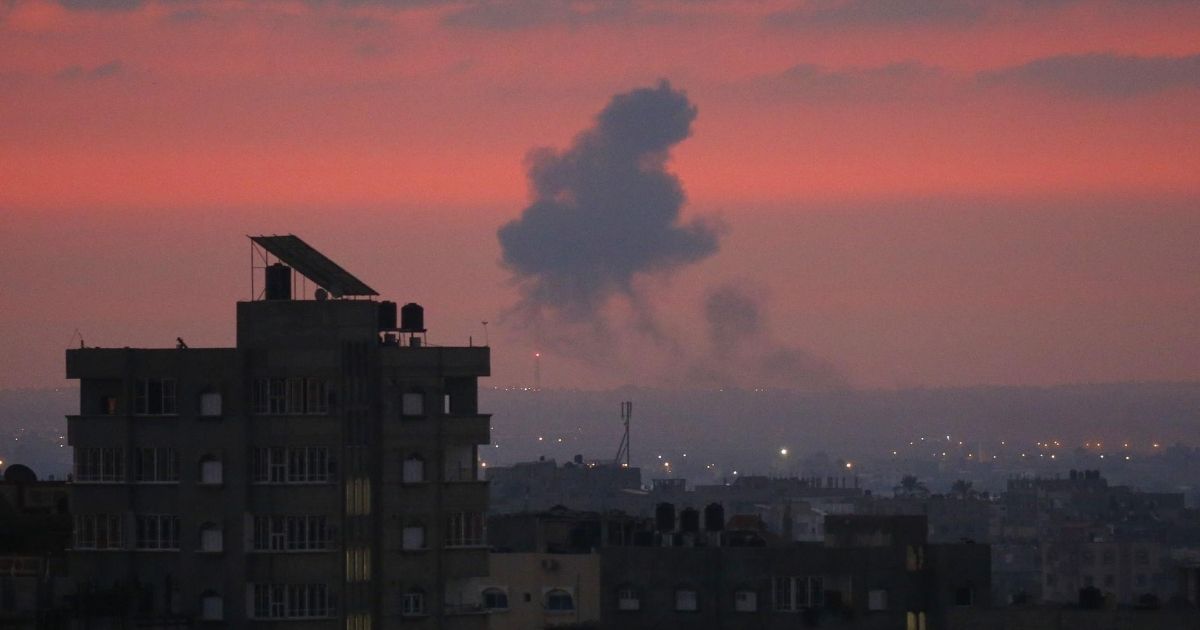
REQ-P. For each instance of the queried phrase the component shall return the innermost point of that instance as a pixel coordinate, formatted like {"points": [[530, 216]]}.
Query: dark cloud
{"points": [[815, 83], [533, 13], [104, 70], [834, 13], [101, 5], [1103, 75], [606, 209], [744, 352]]}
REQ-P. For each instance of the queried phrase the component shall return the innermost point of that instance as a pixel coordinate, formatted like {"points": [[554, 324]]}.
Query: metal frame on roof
{"points": [[313, 265]]}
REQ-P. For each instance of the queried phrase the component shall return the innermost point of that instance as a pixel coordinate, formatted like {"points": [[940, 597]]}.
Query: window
{"points": [[212, 538], [915, 620], [412, 404], [358, 564], [414, 537], [464, 529], [1108, 556], [558, 599], [291, 533], [414, 469], [154, 397], [685, 600], [210, 404], [212, 607], [99, 465], [412, 603], [291, 601], [877, 599], [211, 471], [627, 599], [495, 598], [797, 593], [155, 465], [292, 396], [745, 601], [311, 464], [459, 463], [156, 531], [98, 531]]}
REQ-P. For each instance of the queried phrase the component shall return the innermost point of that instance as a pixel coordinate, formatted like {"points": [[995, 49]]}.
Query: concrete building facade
{"points": [[321, 474]]}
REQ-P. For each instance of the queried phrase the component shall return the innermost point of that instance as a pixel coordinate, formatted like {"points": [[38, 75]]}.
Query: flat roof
{"points": [[314, 265]]}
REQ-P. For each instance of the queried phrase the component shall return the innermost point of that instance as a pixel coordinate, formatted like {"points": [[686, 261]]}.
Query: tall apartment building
{"points": [[321, 473]]}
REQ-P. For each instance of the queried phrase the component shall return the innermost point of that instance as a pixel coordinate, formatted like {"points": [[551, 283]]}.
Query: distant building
{"points": [[322, 471], [35, 531], [870, 572], [582, 485]]}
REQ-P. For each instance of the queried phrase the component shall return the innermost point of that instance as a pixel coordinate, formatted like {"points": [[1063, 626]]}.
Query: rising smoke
{"points": [[605, 213], [606, 209], [743, 351]]}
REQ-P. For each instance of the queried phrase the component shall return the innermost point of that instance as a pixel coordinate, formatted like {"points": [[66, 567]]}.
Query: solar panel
{"points": [[313, 265]]}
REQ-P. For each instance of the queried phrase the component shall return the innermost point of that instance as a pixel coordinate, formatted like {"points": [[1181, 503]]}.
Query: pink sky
{"points": [[955, 193]]}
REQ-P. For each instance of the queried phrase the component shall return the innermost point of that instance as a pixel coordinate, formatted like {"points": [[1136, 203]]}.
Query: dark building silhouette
{"points": [[870, 572], [35, 530], [324, 470]]}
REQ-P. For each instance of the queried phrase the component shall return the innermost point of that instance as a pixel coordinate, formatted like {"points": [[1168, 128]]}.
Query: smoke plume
{"points": [[606, 210], [743, 351]]}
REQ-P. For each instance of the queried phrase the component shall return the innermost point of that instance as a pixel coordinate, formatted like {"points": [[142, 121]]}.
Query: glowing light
{"points": [[783, 451], [849, 465]]}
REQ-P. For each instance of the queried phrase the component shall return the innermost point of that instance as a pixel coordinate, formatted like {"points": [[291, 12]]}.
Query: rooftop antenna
{"points": [[485, 334], [623, 449]]}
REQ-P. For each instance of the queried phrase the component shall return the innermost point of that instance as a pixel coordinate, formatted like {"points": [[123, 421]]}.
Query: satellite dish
{"points": [[321, 294]]}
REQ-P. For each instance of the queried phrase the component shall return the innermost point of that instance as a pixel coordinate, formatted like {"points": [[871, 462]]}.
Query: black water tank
{"points": [[279, 282], [387, 316], [689, 521], [412, 318], [664, 517], [714, 517]]}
